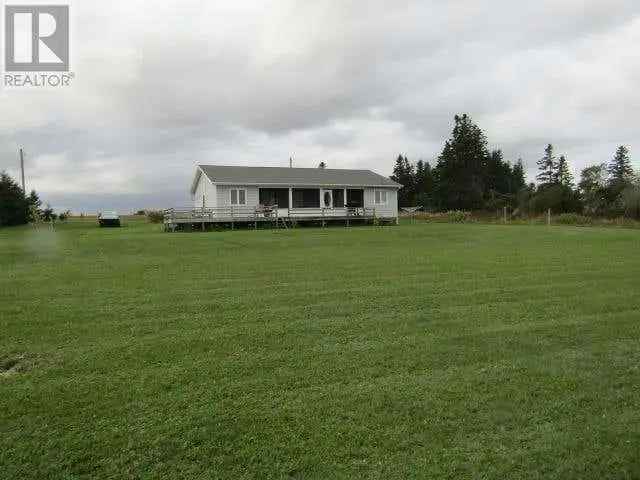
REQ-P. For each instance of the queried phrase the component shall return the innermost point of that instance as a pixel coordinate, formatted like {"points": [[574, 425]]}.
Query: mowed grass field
{"points": [[418, 351]]}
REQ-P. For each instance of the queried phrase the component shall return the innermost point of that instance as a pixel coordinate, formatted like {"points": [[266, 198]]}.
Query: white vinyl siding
{"points": [[243, 193], [384, 200], [205, 194]]}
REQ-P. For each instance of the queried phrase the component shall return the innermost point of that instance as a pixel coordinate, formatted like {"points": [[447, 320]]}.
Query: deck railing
{"points": [[332, 212], [209, 214], [261, 213]]}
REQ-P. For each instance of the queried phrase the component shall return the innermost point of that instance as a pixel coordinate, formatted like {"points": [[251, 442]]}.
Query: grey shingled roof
{"points": [[295, 176]]}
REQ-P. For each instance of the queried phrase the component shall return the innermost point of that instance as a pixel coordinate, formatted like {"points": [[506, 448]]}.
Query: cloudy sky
{"points": [[161, 86]]}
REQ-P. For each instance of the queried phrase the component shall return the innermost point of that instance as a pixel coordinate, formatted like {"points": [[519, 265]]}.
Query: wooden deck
{"points": [[175, 219]]}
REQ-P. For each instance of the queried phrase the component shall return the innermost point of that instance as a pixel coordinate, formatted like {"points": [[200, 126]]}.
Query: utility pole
{"points": [[24, 190], [290, 162]]}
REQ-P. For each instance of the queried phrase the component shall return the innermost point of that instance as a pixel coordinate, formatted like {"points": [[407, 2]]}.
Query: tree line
{"points": [[468, 176], [17, 208]]}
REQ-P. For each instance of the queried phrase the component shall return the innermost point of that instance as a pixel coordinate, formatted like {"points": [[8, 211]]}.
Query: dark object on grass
{"points": [[109, 219]]}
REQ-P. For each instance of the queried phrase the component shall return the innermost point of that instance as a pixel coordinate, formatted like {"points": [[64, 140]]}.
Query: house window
{"points": [[306, 197], [355, 198], [274, 196], [381, 197], [238, 197]]}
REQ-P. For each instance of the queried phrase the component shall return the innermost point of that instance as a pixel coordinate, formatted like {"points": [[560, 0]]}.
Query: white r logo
{"points": [[37, 38]]}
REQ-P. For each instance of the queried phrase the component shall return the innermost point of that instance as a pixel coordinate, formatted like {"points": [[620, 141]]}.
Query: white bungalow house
{"points": [[252, 193]]}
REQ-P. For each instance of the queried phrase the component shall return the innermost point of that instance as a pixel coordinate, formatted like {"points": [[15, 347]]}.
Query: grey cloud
{"points": [[351, 83]]}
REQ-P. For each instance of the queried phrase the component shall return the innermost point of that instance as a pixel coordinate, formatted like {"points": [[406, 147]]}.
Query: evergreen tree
{"points": [[555, 190], [631, 201], [419, 187], [35, 204], [493, 174], [548, 168], [497, 181], [419, 169], [593, 189], [14, 207], [563, 174], [424, 185], [525, 200], [518, 175], [403, 173], [620, 178], [462, 167], [503, 182], [620, 169]]}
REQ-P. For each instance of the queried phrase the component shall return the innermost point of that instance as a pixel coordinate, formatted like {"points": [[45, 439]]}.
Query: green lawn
{"points": [[418, 351]]}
